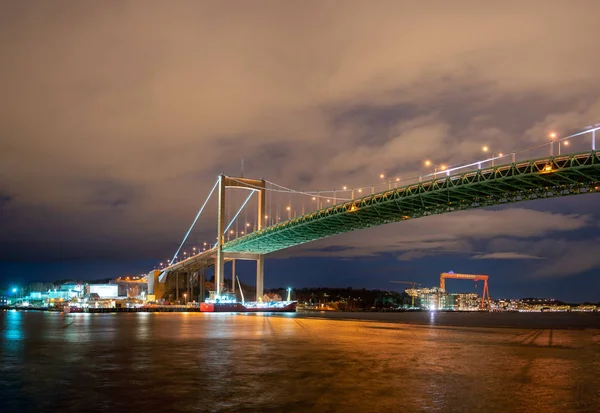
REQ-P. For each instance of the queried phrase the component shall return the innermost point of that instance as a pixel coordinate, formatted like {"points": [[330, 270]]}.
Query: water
{"points": [[352, 362]]}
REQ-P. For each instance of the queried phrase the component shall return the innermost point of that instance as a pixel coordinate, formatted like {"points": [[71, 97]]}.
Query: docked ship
{"points": [[227, 303]]}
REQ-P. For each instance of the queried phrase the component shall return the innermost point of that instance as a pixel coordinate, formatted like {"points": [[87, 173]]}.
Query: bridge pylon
{"points": [[257, 185]]}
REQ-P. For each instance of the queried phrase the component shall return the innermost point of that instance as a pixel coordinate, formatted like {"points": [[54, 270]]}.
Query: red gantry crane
{"points": [[474, 277]]}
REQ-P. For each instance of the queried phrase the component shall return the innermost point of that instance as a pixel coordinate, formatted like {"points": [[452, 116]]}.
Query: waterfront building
{"points": [[466, 302], [434, 298], [437, 298], [104, 290]]}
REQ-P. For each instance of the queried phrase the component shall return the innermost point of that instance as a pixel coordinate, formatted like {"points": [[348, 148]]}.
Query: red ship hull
{"points": [[241, 308]]}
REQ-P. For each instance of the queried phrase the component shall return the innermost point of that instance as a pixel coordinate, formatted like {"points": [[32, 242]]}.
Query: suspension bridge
{"points": [[313, 215]]}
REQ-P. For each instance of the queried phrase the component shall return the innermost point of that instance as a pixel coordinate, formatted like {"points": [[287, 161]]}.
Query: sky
{"points": [[117, 116]]}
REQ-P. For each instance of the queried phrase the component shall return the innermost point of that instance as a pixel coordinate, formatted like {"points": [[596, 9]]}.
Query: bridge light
{"points": [[344, 188], [288, 208], [566, 143], [500, 154], [485, 149], [231, 232], [359, 189], [552, 135], [397, 179], [329, 200], [247, 224], [314, 198], [443, 167], [427, 163], [266, 216], [381, 176]]}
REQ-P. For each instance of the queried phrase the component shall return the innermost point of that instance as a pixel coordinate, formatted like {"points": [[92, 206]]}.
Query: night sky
{"points": [[117, 116]]}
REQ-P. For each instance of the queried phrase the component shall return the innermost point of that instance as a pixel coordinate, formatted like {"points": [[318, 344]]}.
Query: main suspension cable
{"points": [[237, 213], [194, 223]]}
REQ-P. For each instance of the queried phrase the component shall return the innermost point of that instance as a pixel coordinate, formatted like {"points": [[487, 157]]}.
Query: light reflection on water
{"points": [[12, 331], [427, 362]]}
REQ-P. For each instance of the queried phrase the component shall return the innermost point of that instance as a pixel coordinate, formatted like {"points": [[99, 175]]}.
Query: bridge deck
{"points": [[572, 174]]}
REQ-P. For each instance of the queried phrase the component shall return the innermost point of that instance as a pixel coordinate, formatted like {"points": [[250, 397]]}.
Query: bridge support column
{"points": [[220, 261], [594, 140], [233, 275], [260, 262], [201, 285], [260, 277]]}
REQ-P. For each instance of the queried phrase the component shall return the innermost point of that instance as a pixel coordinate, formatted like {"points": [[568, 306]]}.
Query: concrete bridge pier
{"points": [[220, 261], [260, 277], [233, 275]]}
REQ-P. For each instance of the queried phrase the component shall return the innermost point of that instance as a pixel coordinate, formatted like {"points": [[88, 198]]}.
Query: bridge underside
{"points": [[202, 261], [574, 174]]}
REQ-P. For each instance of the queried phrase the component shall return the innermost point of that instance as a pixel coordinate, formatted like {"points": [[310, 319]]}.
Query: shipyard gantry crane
{"points": [[474, 277]]}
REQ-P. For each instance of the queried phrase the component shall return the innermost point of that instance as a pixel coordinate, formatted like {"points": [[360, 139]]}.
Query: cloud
{"points": [[154, 101], [4, 200], [570, 257], [506, 256]]}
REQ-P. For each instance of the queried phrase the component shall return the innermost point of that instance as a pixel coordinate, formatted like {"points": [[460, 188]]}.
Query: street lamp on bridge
{"points": [[436, 168], [552, 137], [486, 149], [565, 143]]}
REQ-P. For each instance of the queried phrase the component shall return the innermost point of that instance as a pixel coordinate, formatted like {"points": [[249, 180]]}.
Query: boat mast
{"points": [[240, 287]]}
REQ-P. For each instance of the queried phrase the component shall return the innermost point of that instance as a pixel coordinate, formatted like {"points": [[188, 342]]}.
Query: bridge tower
{"points": [[257, 185]]}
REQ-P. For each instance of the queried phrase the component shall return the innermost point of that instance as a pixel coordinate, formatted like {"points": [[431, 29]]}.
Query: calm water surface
{"points": [[377, 362]]}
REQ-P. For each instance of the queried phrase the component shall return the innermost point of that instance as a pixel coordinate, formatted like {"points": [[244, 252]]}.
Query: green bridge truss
{"points": [[572, 174]]}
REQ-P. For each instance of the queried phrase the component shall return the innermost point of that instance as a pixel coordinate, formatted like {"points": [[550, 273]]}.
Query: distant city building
{"points": [[436, 298], [60, 294], [466, 302], [104, 290], [431, 298]]}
